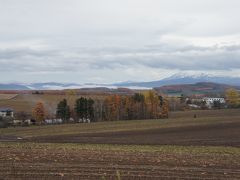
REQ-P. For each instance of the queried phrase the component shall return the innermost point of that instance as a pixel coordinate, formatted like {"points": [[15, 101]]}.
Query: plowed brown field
{"points": [[183, 147], [44, 161]]}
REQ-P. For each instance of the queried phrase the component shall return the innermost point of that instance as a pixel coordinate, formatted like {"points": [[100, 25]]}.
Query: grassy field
{"points": [[26, 102], [7, 96]]}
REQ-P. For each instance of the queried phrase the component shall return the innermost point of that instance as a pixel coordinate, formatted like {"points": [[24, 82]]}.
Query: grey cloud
{"points": [[97, 37], [164, 57]]}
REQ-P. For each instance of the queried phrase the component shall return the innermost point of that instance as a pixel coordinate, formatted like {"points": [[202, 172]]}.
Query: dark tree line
{"points": [[84, 108], [63, 110]]}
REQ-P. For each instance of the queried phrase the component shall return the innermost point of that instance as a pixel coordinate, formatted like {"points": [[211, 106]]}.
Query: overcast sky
{"points": [[106, 41]]}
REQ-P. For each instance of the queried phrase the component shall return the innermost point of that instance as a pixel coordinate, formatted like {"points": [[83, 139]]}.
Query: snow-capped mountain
{"points": [[182, 78], [192, 75]]}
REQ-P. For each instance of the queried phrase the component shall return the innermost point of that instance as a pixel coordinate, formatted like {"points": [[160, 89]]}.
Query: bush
{"points": [[3, 122]]}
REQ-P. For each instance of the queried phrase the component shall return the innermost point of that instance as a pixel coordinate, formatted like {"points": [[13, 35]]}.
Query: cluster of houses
{"points": [[71, 120], [53, 121], [7, 117], [208, 102]]}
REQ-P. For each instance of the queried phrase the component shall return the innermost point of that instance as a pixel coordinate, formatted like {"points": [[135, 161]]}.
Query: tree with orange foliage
{"points": [[165, 109], [39, 112], [113, 108], [138, 106]]}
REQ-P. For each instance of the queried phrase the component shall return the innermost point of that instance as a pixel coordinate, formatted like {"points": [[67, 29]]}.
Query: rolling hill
{"points": [[197, 88]]}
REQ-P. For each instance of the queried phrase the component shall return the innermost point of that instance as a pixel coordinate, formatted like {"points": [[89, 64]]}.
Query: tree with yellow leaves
{"points": [[39, 112], [71, 95], [232, 97], [152, 102]]}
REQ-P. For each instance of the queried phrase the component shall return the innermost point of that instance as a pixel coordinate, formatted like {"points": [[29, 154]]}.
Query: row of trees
{"points": [[83, 109], [139, 106], [148, 105]]}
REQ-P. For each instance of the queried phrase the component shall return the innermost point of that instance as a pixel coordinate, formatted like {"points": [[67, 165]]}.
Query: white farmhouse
{"points": [[210, 101], [6, 112]]}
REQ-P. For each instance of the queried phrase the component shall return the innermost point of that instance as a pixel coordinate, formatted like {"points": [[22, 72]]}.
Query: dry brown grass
{"points": [[26, 102], [205, 113], [7, 96]]}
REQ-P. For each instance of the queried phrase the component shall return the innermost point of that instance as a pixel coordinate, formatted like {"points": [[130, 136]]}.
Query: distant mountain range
{"points": [[177, 79], [184, 79], [35, 86], [13, 86]]}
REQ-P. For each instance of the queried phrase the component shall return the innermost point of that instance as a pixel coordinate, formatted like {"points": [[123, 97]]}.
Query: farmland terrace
{"points": [[216, 128], [77, 161], [181, 147]]}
